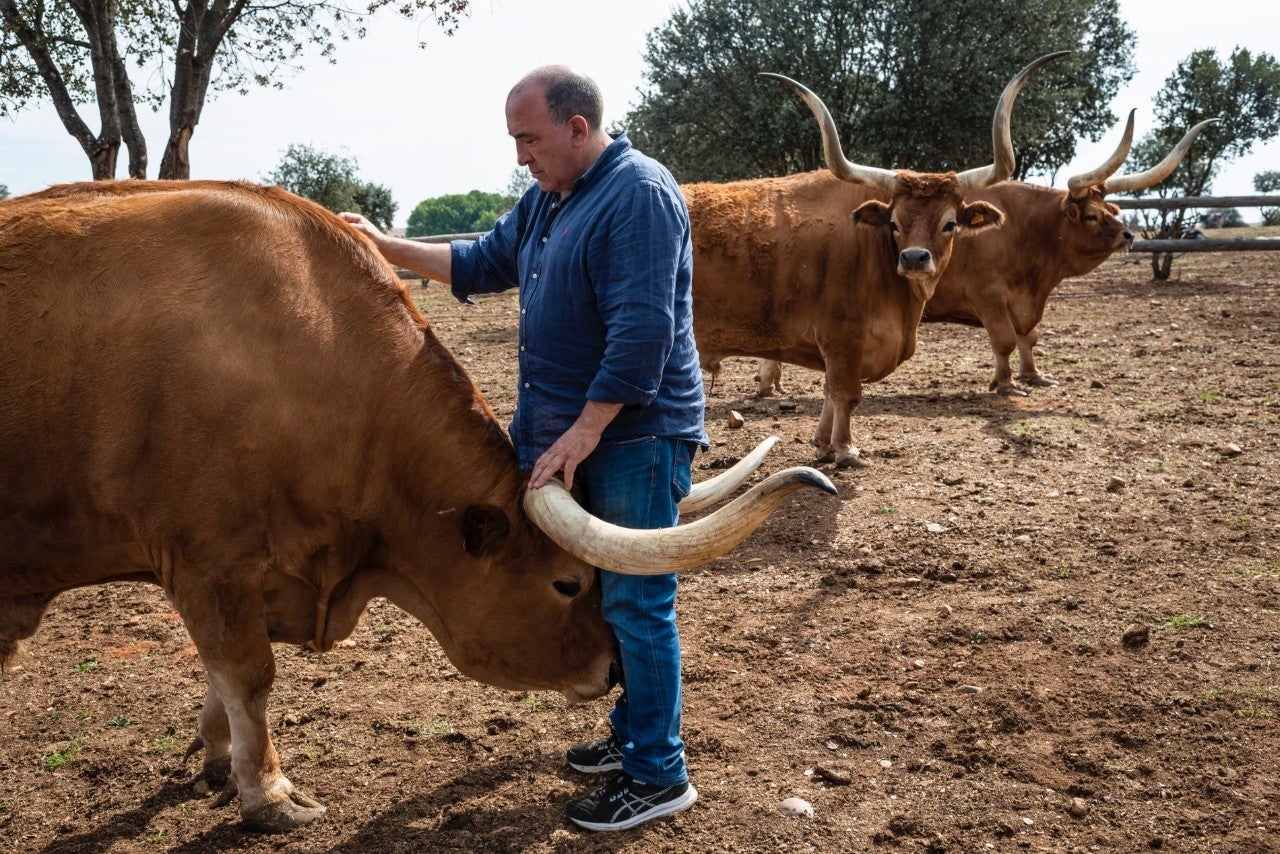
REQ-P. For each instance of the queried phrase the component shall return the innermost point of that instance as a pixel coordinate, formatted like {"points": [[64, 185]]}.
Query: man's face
{"points": [[549, 148]]}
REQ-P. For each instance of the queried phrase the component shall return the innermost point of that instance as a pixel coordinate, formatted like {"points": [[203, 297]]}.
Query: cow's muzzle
{"points": [[915, 260]]}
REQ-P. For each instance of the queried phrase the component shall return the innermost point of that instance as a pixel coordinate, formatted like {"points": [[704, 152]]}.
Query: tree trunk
{"points": [[1161, 264], [176, 164], [102, 149]]}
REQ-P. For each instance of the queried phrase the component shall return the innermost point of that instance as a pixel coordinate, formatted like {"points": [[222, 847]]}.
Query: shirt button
{"points": [[526, 385], [544, 240], [521, 348], [535, 275], [522, 311]]}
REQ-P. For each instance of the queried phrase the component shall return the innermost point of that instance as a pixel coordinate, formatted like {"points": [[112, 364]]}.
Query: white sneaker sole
{"points": [[680, 804]]}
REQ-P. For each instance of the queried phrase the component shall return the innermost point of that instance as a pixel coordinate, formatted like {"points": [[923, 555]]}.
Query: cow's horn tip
{"points": [[813, 477]]}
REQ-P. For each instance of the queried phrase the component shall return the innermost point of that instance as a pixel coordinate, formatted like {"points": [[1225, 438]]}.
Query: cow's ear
{"points": [[484, 528], [1071, 208], [872, 214], [977, 216]]}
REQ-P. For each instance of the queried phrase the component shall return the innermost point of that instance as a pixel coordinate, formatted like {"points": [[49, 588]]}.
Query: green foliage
{"points": [[122, 54], [1263, 182], [457, 214], [332, 181], [708, 116], [1243, 93], [4, 191], [375, 202], [518, 182]]}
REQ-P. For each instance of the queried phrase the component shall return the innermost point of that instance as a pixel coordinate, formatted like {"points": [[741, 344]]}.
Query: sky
{"points": [[429, 122]]}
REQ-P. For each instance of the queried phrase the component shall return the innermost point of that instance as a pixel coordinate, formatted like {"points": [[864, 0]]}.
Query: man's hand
{"points": [[575, 445], [360, 223]]}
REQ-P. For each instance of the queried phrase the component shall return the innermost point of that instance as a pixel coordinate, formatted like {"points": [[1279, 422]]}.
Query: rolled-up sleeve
{"points": [[634, 269]]}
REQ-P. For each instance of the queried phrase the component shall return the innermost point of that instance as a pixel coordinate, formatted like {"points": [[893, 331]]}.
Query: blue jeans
{"points": [[637, 483]]}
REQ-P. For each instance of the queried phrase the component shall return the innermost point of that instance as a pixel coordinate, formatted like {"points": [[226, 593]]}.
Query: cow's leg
{"points": [[1027, 372], [844, 392], [215, 739], [1003, 340], [225, 618], [769, 378], [19, 618], [822, 432]]}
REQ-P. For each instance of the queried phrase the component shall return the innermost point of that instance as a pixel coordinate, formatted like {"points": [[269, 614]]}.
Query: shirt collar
{"points": [[620, 146]]}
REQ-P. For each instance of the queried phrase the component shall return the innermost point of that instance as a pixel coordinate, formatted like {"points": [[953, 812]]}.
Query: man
{"points": [[610, 392]]}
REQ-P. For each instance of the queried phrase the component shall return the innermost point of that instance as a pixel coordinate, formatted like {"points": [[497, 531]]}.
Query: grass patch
{"points": [[86, 666], [1209, 396], [63, 755], [1182, 622], [119, 722], [1266, 570]]}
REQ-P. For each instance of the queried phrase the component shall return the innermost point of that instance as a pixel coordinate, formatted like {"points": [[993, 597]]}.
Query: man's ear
{"points": [[872, 214], [484, 529], [579, 130]]}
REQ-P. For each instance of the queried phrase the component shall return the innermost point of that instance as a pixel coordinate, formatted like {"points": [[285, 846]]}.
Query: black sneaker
{"points": [[622, 803], [596, 757]]}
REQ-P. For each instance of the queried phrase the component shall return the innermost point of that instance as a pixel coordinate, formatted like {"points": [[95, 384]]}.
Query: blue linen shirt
{"points": [[606, 302]]}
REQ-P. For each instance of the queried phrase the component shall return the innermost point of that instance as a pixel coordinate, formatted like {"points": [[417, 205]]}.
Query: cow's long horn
{"points": [[1079, 185], [718, 488], [1162, 170], [832, 151], [1001, 136], [651, 552]]}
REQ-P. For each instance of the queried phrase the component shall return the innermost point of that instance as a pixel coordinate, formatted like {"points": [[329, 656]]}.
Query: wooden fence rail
{"points": [[1216, 244]]}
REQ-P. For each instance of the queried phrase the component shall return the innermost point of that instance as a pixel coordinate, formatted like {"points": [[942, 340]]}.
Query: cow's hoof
{"points": [[283, 816], [851, 460], [1011, 391], [217, 772], [1039, 381]]}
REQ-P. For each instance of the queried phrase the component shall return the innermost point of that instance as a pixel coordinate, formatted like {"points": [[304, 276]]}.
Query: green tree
{"points": [[706, 114], [332, 181], [519, 181], [1268, 182], [456, 214], [1243, 93], [4, 191], [80, 52], [375, 202]]}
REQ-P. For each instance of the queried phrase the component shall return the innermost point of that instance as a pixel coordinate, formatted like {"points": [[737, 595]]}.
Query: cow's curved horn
{"points": [[652, 552], [832, 151], [718, 488], [1001, 136], [1162, 170], [1079, 185]]}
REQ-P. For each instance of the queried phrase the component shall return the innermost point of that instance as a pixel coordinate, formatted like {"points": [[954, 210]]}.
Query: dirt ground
{"points": [[1048, 623]]}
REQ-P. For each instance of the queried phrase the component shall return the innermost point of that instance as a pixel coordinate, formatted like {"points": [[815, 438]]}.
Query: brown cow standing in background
{"points": [[222, 389], [1002, 279], [780, 273]]}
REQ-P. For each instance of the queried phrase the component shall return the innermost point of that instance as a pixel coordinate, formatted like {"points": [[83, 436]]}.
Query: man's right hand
{"points": [[361, 223]]}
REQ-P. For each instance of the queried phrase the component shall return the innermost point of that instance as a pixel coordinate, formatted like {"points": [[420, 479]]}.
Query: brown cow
{"points": [[778, 273], [224, 390], [1001, 279]]}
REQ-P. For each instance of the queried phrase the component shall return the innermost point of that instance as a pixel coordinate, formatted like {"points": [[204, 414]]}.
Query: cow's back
{"points": [[777, 258], [177, 356]]}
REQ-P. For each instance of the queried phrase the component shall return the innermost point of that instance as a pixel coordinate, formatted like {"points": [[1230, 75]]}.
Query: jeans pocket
{"points": [[682, 469]]}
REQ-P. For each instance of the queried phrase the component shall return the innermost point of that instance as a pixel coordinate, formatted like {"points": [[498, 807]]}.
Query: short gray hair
{"points": [[568, 94]]}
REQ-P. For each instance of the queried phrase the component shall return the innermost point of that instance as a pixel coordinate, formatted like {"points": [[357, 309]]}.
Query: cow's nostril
{"points": [[915, 259]]}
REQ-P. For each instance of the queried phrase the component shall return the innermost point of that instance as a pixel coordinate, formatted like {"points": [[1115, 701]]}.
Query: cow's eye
{"points": [[949, 227], [568, 588], [1090, 217], [893, 227]]}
